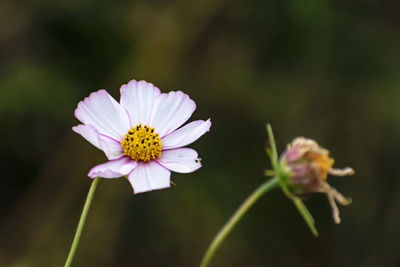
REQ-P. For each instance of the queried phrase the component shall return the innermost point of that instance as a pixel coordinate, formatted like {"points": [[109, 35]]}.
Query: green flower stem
{"points": [[82, 222], [260, 191]]}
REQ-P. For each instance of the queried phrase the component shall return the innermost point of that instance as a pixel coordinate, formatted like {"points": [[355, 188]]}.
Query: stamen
{"points": [[137, 146]]}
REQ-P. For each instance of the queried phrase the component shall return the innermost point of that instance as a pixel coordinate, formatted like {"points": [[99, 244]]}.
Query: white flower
{"points": [[140, 135]]}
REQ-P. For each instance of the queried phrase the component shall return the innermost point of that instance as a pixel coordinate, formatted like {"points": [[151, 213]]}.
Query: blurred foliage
{"points": [[329, 70]]}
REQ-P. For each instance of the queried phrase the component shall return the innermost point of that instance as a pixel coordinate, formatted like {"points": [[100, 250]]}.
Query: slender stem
{"points": [[227, 228], [81, 222]]}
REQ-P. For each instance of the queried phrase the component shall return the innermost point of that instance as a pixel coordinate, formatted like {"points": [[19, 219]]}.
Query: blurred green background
{"points": [[329, 70]]}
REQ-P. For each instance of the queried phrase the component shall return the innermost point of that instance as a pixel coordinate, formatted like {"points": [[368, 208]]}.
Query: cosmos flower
{"points": [[309, 165], [141, 135]]}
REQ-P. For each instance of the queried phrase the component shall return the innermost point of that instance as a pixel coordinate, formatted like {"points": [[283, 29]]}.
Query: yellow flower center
{"points": [[323, 161], [142, 143]]}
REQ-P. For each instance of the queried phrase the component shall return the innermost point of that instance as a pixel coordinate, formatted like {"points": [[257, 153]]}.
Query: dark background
{"points": [[329, 70]]}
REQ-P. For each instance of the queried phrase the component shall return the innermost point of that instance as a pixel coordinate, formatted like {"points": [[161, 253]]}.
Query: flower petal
{"points": [[105, 114], [149, 176], [89, 133], [170, 111], [183, 160], [138, 99], [113, 169], [111, 147], [186, 135]]}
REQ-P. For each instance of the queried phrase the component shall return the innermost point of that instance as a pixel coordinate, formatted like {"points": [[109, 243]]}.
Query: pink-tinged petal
{"points": [[183, 160], [186, 135], [89, 133], [113, 169], [170, 111], [110, 147], [149, 176], [138, 98], [105, 114]]}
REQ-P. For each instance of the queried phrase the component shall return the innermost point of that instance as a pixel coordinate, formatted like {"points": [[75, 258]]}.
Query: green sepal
{"points": [[280, 169]]}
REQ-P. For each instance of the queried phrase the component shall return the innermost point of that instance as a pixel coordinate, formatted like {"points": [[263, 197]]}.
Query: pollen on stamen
{"points": [[135, 147]]}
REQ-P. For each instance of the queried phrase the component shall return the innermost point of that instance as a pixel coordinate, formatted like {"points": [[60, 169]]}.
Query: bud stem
{"points": [[228, 227]]}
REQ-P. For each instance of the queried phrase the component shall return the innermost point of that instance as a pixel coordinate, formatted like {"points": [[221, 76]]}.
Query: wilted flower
{"points": [[309, 165], [140, 135]]}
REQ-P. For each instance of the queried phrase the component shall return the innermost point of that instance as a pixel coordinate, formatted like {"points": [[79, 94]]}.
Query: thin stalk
{"points": [[228, 227], [82, 222]]}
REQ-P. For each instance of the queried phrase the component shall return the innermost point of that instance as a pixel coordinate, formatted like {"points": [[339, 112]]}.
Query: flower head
{"points": [[309, 165], [141, 135]]}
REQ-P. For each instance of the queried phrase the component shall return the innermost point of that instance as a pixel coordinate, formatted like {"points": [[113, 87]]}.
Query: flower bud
{"points": [[309, 165]]}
